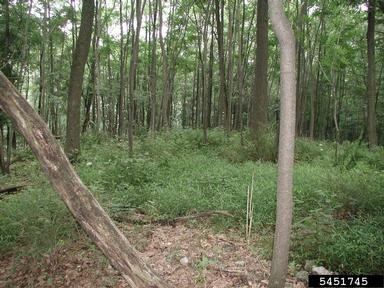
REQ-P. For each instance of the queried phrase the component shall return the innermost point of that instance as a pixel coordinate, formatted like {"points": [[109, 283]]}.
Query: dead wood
{"points": [[79, 200], [11, 189]]}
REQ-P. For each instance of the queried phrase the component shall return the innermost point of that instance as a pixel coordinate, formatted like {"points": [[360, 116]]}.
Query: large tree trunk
{"points": [[84, 207], [259, 103], [371, 95], [284, 208], [72, 144]]}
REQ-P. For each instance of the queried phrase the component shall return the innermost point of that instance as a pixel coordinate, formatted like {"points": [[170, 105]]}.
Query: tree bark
{"points": [[259, 103], [79, 200], [43, 52], [371, 93], [121, 101], [132, 71], [92, 97], [164, 110], [229, 74], [223, 100], [153, 70], [284, 208], [72, 144]]}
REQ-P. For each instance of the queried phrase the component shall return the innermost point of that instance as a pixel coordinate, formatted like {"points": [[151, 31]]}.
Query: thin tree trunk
{"points": [[121, 101], [163, 119], [72, 144], [223, 100], [132, 72], [229, 80], [210, 80], [371, 93], [205, 78], [43, 52], [153, 70], [284, 209], [91, 99]]}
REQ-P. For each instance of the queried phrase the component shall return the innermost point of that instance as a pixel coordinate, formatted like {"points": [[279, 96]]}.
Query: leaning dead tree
{"points": [[79, 200]]}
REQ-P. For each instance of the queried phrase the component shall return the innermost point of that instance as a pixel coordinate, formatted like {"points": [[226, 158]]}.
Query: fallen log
{"points": [[79, 200], [11, 189]]}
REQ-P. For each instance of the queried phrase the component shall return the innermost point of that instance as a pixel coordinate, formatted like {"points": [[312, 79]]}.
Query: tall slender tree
{"points": [[371, 93], [121, 100], [132, 71], [223, 97], [152, 68], [284, 209], [80, 54]]}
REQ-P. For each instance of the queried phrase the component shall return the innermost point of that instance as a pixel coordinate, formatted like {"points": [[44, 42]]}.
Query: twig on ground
{"points": [[171, 221]]}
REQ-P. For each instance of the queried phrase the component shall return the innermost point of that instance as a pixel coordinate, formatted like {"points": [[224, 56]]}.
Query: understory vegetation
{"points": [[339, 201]]}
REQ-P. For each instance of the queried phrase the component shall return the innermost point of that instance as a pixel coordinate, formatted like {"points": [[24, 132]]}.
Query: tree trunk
{"points": [[371, 93], [153, 70], [205, 78], [43, 52], [223, 100], [284, 208], [132, 71], [84, 207], [121, 101], [72, 144], [91, 99], [259, 103], [5, 62], [229, 75], [164, 111], [210, 79]]}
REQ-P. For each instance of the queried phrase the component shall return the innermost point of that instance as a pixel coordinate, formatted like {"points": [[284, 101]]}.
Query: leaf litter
{"points": [[184, 255]]}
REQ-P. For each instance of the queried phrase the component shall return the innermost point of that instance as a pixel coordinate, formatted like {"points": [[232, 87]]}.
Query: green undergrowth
{"points": [[339, 201]]}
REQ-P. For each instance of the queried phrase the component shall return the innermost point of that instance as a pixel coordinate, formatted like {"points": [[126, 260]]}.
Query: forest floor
{"points": [[338, 216], [185, 256]]}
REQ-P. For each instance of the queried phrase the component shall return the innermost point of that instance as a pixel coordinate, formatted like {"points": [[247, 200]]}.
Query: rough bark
{"points": [[284, 208], [84, 207], [72, 144], [259, 103], [371, 93]]}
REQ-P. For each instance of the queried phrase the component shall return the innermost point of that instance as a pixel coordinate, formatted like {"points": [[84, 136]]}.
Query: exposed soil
{"points": [[186, 257]]}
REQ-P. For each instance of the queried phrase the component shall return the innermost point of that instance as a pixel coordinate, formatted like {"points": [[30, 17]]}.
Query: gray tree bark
{"points": [[286, 39]]}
